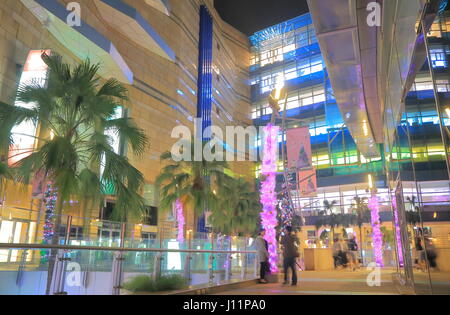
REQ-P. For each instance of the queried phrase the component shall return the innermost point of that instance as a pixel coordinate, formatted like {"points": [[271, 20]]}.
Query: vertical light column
{"points": [[205, 86], [180, 220], [268, 194], [205, 72], [377, 237]]}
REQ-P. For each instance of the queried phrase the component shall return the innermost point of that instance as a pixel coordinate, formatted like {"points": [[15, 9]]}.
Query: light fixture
{"points": [[365, 128], [180, 220], [447, 111], [370, 180]]}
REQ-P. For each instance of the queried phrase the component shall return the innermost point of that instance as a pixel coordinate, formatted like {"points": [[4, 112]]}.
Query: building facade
{"points": [[153, 47], [290, 53]]}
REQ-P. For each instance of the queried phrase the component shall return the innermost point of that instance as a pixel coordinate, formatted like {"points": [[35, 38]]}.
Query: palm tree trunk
{"points": [[54, 252]]}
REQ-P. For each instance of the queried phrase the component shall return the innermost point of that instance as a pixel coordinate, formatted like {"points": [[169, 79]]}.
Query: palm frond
{"points": [[113, 88], [129, 133]]}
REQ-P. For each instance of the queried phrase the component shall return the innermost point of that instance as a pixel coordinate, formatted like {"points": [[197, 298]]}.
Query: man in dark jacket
{"points": [[290, 254]]}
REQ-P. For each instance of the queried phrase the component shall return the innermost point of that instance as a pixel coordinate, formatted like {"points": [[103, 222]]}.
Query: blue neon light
{"points": [[204, 104]]}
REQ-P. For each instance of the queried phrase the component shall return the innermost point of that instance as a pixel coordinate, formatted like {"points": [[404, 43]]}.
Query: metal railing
{"points": [[93, 270]]}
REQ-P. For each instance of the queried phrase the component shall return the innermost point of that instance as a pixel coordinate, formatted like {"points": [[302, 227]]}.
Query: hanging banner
{"points": [[23, 135], [307, 180], [299, 155]]}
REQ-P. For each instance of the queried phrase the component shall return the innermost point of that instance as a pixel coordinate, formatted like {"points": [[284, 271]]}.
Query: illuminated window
{"points": [[438, 58], [289, 48], [23, 134]]}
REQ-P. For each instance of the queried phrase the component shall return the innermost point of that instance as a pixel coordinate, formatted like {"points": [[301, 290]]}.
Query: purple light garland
{"points": [[180, 219], [50, 203], [268, 194], [377, 237], [397, 232]]}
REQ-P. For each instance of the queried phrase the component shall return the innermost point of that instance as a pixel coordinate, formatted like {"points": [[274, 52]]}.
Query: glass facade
{"points": [[418, 153], [289, 52], [410, 176]]}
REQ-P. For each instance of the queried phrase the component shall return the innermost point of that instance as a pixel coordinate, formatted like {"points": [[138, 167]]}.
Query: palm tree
{"points": [[332, 219], [361, 209], [329, 206], [238, 207], [5, 171], [318, 224], [74, 113], [190, 181]]}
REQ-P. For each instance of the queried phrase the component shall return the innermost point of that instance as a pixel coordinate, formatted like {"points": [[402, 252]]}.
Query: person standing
{"points": [[338, 253], [352, 252], [290, 254], [421, 254], [262, 248]]}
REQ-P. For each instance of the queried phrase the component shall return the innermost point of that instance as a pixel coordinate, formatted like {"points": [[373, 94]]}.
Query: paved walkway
{"points": [[325, 283]]}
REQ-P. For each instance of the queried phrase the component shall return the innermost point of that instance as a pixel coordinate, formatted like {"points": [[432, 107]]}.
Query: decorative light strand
{"points": [[51, 197], [180, 219], [268, 193], [284, 204], [377, 237]]}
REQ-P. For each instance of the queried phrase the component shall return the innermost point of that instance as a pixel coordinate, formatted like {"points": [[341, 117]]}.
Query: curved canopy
{"points": [[83, 41], [128, 21]]}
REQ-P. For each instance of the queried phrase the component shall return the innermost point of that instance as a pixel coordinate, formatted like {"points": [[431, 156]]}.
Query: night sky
{"points": [[250, 16]]}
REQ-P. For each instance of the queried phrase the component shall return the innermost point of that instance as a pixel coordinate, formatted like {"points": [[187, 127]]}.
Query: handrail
{"points": [[118, 249]]}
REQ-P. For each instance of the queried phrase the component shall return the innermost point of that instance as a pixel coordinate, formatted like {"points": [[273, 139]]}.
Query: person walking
{"points": [[262, 248], [352, 252], [431, 254], [290, 255], [339, 253]]}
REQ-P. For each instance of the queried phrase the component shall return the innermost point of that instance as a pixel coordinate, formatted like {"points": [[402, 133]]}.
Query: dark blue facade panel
{"points": [[204, 104], [291, 85]]}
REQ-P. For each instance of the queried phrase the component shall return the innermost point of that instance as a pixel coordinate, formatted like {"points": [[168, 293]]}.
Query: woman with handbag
{"points": [[263, 255]]}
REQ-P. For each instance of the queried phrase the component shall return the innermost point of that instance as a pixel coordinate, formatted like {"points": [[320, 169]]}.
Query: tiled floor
{"points": [[325, 283]]}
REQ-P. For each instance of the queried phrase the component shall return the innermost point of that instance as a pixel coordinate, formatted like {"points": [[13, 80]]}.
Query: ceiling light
{"points": [[365, 128]]}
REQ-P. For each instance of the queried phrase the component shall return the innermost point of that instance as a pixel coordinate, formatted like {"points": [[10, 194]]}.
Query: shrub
{"points": [[170, 283], [140, 284], [147, 284]]}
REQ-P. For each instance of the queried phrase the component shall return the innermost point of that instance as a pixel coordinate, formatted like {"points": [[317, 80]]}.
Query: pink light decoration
{"points": [[397, 232], [180, 219], [268, 193], [377, 237]]}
